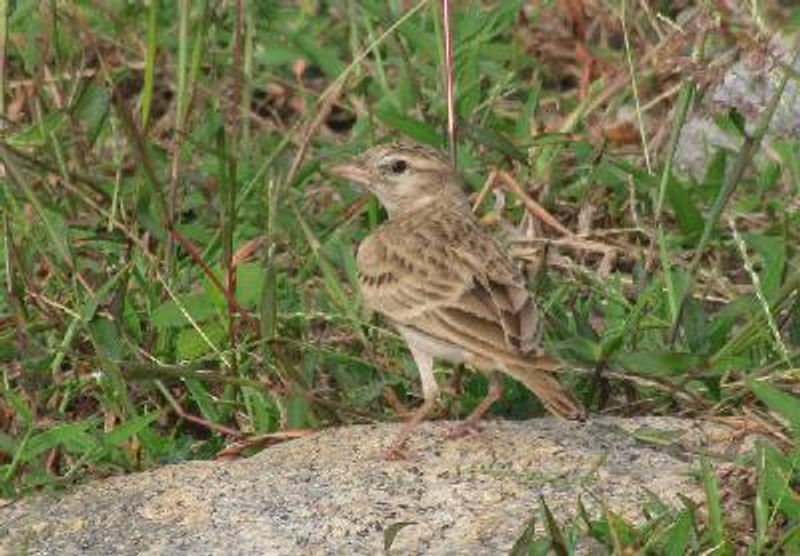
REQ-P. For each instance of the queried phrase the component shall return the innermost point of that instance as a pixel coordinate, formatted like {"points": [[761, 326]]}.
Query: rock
{"points": [[746, 86], [332, 493]]}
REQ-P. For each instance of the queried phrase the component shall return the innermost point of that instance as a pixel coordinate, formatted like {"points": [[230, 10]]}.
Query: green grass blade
{"points": [[149, 64], [786, 405], [716, 525]]}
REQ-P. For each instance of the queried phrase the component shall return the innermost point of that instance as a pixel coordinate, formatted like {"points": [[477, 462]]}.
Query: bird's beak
{"points": [[351, 170]]}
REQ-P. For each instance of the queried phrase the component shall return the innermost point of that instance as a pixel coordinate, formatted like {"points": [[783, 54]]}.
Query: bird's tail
{"points": [[536, 376]]}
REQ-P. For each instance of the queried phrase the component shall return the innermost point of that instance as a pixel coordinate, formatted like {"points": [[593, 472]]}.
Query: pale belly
{"points": [[438, 349]]}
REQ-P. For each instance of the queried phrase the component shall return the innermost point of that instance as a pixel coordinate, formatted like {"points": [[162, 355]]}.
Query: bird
{"points": [[446, 285]]}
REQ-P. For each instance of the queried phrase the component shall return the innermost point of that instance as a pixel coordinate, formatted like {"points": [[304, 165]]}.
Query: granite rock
{"points": [[333, 493]]}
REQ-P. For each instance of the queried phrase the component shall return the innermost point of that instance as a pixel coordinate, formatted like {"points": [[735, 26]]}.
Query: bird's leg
{"points": [[470, 424], [430, 391]]}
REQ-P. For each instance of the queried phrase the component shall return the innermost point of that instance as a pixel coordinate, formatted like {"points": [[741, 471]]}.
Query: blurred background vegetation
{"points": [[179, 275]]}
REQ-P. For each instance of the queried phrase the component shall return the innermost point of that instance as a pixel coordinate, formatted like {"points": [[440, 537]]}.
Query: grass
{"points": [[179, 272]]}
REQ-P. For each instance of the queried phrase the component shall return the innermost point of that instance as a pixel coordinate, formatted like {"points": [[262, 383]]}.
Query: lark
{"points": [[446, 285]]}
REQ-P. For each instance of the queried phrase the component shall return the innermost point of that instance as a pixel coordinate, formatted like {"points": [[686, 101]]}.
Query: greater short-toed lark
{"points": [[445, 284]]}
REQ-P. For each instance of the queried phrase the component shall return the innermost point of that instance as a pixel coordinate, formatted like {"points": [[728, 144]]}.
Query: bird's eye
{"points": [[398, 166]]}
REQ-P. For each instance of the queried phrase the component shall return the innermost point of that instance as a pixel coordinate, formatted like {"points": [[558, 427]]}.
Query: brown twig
{"points": [[197, 257], [180, 412], [449, 80], [260, 441], [537, 210], [326, 102], [234, 120], [572, 242], [488, 186]]}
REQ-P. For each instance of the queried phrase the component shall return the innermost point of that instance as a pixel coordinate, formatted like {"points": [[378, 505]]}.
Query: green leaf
{"points": [[22, 411], [597, 528], [73, 437], [715, 175], [794, 323], [716, 526], [260, 409], [277, 55], [523, 543], [22, 11], [9, 444], [557, 540], [761, 504], [57, 226], [675, 540], [323, 57], [787, 405], [130, 428], [407, 125], [106, 339], [737, 121], [769, 179], [172, 313], [38, 134], [299, 413], [204, 400], [790, 542], [86, 314], [779, 473], [695, 324], [268, 304], [341, 254], [91, 109], [622, 532], [391, 531], [422, 41], [660, 363], [686, 213], [215, 296], [493, 140], [191, 344], [249, 284], [333, 286], [580, 348], [772, 250], [788, 151], [523, 126], [662, 437], [468, 83]]}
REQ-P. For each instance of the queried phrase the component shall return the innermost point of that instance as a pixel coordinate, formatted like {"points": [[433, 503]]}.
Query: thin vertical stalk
{"points": [[247, 67], [682, 108], [3, 48], [268, 307], [181, 109], [15, 290], [197, 54], [761, 297], [149, 64], [141, 152], [182, 100], [230, 153], [449, 80], [635, 87]]}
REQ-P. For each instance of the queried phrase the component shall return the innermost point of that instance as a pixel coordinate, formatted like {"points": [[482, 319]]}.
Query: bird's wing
{"points": [[451, 281]]}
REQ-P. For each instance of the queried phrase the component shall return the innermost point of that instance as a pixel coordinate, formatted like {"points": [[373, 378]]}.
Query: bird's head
{"points": [[403, 176]]}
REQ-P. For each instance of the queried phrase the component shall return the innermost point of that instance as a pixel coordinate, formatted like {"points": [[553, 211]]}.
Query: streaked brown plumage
{"points": [[444, 283]]}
